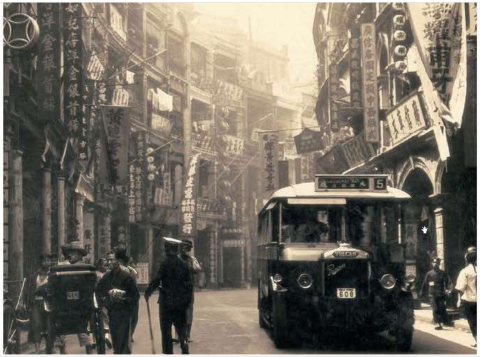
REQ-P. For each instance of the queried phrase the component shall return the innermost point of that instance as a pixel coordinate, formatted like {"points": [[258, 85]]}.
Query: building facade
{"points": [[384, 108]]}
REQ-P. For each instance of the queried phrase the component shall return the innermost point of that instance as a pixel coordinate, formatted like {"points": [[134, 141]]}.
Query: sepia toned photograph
{"points": [[239, 178]]}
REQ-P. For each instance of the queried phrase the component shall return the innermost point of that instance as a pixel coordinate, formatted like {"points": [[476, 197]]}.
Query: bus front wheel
{"points": [[279, 322]]}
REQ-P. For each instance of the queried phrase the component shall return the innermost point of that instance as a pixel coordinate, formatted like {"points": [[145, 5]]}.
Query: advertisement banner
{"points": [[269, 152], [117, 129], [73, 73], [188, 208], [354, 49], [370, 92], [406, 118], [440, 35], [357, 150], [49, 61], [139, 175]]}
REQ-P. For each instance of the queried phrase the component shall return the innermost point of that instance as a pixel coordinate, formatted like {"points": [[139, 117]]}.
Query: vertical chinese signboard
{"points": [[269, 152], [6, 210], [188, 209], [49, 62], [333, 88], [370, 92], [136, 180], [117, 129], [354, 46], [73, 66], [440, 35]]}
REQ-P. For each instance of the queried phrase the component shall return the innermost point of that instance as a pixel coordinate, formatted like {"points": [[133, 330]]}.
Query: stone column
{"points": [[79, 202], [61, 213], [440, 246], [47, 211], [15, 254]]}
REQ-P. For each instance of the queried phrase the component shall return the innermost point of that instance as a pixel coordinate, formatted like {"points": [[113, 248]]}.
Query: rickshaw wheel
{"points": [[11, 336], [99, 332]]}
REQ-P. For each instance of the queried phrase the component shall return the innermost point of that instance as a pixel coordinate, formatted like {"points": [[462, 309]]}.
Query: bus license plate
{"points": [[73, 295], [346, 293]]}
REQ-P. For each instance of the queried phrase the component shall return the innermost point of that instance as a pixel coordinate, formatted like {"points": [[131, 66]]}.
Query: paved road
{"points": [[226, 322]]}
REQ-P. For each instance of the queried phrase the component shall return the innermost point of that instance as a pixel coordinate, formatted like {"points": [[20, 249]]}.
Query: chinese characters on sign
{"points": [[354, 46], [234, 146], [308, 140], [440, 35], [334, 88], [357, 150], [131, 194], [49, 62], [406, 118], [117, 129], [269, 152], [162, 124], [370, 92], [188, 209], [137, 180], [73, 57], [227, 93]]}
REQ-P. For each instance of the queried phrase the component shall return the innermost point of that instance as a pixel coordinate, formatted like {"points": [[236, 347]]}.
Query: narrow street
{"points": [[226, 323]]}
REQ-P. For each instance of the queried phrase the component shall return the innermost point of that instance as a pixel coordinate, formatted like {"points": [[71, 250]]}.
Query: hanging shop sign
{"points": [[357, 150], [73, 72], [95, 68], [332, 162], [406, 118], [269, 152], [49, 61], [88, 237], [117, 129], [188, 208], [161, 124], [306, 167], [354, 45], [440, 35], [370, 92], [139, 175], [143, 277], [6, 200], [234, 146], [120, 97], [227, 93], [308, 140], [334, 88], [20, 31], [131, 193]]}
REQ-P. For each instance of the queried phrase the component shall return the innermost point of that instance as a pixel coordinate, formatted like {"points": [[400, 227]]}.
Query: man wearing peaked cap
{"points": [[175, 284]]}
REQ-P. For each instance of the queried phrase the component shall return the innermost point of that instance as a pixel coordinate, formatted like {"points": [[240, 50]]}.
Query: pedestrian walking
{"points": [[194, 268], [133, 272], [101, 268], [175, 284], [118, 292], [467, 287], [438, 285], [36, 289], [74, 253]]}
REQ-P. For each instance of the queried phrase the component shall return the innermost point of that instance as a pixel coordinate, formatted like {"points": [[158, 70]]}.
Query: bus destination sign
{"points": [[351, 183]]}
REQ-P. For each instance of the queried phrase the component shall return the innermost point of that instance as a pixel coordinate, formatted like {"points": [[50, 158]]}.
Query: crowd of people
{"points": [[118, 296]]}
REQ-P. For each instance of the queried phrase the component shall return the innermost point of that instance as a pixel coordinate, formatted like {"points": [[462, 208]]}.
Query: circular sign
{"points": [[20, 31]]}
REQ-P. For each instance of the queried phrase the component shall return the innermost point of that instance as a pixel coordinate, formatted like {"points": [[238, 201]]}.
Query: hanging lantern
{"points": [[399, 21], [400, 66], [399, 35], [400, 51], [398, 6]]}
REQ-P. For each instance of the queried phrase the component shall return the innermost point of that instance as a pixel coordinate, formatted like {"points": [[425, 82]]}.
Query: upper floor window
{"points": [[176, 59], [118, 20], [155, 43]]}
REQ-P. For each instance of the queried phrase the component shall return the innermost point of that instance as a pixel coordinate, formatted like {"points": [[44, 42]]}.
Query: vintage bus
{"points": [[331, 255]]}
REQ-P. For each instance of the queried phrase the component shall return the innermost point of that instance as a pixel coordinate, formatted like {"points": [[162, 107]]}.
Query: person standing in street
{"points": [[74, 253], [176, 286], [36, 290], [118, 292], [133, 272], [467, 287], [194, 268], [438, 285]]}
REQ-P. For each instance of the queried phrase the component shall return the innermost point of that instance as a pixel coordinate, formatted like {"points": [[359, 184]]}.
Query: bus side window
{"points": [[274, 232]]}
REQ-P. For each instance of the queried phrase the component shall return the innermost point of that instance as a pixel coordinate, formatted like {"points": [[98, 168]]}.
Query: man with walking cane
{"points": [[175, 284]]}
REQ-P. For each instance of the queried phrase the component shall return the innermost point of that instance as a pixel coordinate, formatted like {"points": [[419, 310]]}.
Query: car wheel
{"points": [[280, 323], [404, 338]]}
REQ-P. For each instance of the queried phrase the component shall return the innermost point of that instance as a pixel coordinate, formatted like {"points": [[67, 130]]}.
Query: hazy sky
{"points": [[279, 24]]}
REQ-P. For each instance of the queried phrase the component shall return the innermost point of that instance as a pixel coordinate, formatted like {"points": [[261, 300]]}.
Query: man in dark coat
{"points": [[438, 285], [176, 286], [118, 292]]}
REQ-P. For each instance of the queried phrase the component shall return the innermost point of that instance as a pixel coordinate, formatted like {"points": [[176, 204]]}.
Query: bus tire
{"points": [[279, 322], [404, 337], [261, 311]]}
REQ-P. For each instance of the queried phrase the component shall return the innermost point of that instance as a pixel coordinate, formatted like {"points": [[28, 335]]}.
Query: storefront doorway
{"points": [[232, 267]]}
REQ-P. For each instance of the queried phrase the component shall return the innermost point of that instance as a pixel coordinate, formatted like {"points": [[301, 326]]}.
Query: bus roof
{"points": [[307, 190]]}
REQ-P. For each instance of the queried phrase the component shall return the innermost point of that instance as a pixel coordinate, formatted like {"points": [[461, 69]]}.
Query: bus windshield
{"points": [[363, 224]]}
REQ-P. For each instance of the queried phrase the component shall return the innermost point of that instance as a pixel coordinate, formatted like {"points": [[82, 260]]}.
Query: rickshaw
{"points": [[71, 304]]}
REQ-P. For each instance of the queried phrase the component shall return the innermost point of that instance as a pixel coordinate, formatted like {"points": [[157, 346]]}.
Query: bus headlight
{"points": [[277, 278], [305, 280], [388, 281]]}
